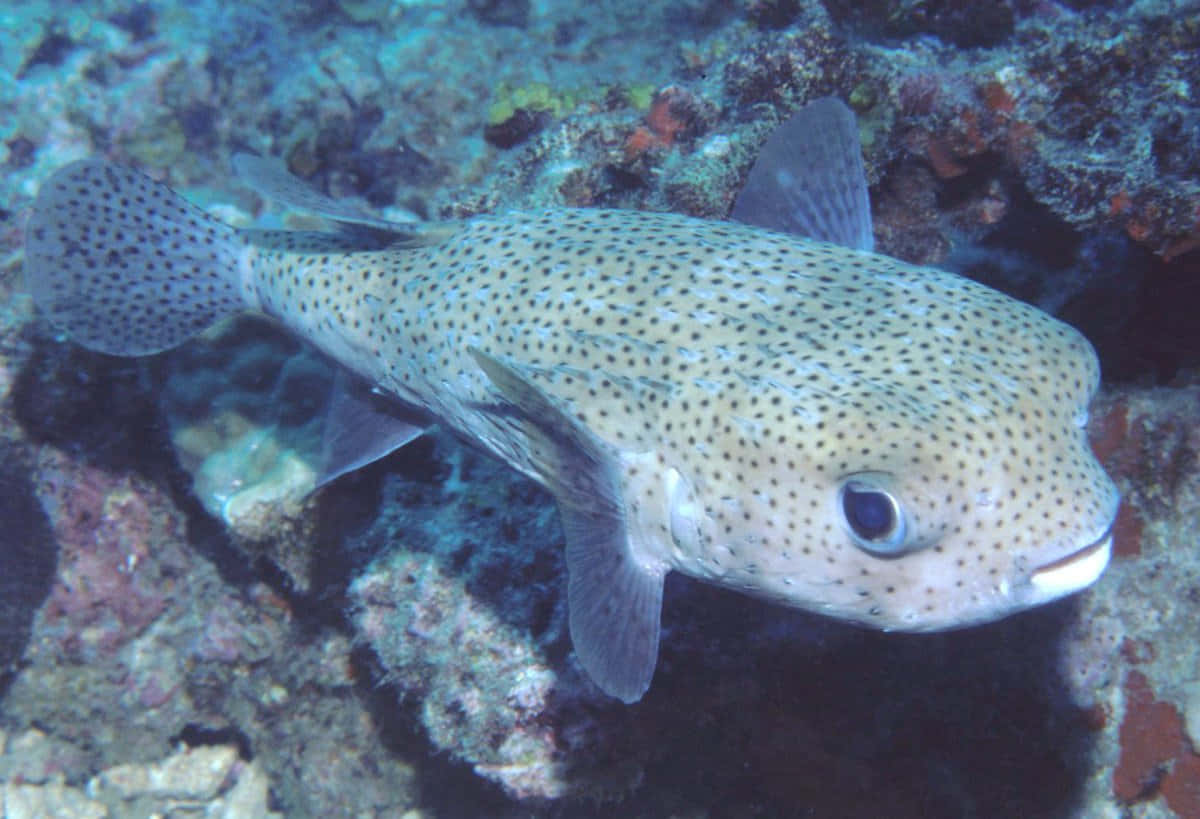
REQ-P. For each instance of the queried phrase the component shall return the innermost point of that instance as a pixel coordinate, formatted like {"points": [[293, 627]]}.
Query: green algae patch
{"points": [[536, 96]]}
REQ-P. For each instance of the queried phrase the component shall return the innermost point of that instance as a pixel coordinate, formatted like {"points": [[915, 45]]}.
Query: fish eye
{"points": [[874, 518]]}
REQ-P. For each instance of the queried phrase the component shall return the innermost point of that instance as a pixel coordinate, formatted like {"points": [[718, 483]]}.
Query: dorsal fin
{"points": [[809, 180], [271, 179]]}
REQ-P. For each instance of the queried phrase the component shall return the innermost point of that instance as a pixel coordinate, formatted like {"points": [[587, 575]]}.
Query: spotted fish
{"points": [[793, 416]]}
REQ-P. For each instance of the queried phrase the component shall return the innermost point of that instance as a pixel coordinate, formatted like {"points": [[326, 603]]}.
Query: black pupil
{"points": [[869, 513]]}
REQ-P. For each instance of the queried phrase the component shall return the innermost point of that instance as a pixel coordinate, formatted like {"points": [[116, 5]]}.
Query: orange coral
{"points": [[671, 114], [997, 98], [944, 163], [662, 120], [638, 142], [1151, 736], [1156, 756]]}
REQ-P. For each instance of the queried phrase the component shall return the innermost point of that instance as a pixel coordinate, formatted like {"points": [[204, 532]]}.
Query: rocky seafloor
{"points": [[185, 630]]}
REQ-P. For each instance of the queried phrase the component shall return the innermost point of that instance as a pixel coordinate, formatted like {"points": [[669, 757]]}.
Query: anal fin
{"points": [[360, 428]]}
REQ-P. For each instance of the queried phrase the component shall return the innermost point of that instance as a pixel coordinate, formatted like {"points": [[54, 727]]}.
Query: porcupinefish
{"points": [[765, 404]]}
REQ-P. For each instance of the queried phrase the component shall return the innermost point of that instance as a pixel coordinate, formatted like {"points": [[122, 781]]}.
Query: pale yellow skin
{"points": [[739, 377], [697, 395]]}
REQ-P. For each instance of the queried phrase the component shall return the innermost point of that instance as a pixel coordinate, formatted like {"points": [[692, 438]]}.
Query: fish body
{"points": [[804, 421]]}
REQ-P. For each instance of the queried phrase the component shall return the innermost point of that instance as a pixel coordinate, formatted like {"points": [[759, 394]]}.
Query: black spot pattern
{"points": [[765, 369], [743, 374], [124, 264]]}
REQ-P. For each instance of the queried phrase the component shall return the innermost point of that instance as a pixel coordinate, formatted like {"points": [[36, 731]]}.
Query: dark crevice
{"points": [[1137, 309]]}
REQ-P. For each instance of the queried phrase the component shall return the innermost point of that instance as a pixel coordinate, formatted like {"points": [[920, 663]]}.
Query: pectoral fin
{"points": [[615, 604], [614, 591]]}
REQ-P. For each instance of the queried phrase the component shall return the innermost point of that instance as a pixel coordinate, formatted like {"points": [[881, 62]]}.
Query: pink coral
{"points": [[105, 526]]}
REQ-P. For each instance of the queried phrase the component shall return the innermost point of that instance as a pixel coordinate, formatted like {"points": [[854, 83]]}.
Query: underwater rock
{"points": [[244, 412], [516, 129], [24, 801], [501, 12], [27, 558], [208, 780], [1129, 655], [965, 24], [114, 538]]}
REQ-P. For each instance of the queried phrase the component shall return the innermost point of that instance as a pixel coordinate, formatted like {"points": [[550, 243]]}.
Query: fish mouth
{"points": [[1075, 571]]}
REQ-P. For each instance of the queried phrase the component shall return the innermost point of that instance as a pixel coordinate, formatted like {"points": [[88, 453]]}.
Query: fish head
{"points": [[948, 531], [934, 481]]}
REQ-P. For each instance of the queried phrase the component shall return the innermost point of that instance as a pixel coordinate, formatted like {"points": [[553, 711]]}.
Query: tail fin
{"points": [[125, 265]]}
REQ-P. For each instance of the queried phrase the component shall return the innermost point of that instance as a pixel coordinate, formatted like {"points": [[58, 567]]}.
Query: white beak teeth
{"points": [[1075, 571]]}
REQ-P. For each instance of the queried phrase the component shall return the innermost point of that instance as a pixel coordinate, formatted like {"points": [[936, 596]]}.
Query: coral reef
{"points": [[106, 592], [170, 596], [1156, 755], [154, 633]]}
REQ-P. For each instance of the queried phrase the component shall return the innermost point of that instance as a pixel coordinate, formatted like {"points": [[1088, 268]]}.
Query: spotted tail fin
{"points": [[125, 265]]}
